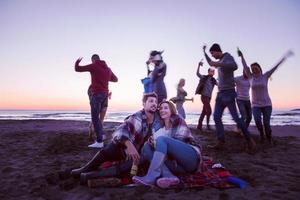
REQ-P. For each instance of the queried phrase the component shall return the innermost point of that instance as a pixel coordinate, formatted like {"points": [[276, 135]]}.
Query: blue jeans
{"points": [[266, 113], [245, 111], [97, 102], [178, 161], [180, 110], [226, 98]]}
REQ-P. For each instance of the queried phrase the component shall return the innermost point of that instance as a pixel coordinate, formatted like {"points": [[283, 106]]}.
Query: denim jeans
{"points": [[245, 111], [206, 110], [266, 113], [180, 110], [97, 101], [226, 98], [178, 161]]}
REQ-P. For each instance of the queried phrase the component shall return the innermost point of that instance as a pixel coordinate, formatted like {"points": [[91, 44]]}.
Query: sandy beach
{"points": [[33, 152]]}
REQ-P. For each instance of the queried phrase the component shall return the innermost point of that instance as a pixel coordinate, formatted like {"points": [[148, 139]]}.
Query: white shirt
{"points": [[162, 132]]}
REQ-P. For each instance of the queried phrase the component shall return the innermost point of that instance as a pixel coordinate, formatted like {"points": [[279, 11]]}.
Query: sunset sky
{"points": [[41, 39]]}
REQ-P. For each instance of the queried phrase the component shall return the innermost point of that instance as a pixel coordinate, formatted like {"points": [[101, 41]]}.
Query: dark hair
{"points": [[147, 95], [95, 57], [215, 47], [256, 64], [210, 69], [154, 52]]}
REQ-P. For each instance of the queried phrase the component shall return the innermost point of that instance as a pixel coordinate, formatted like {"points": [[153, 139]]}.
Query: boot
{"points": [[154, 170], [168, 179], [115, 170], [90, 166]]}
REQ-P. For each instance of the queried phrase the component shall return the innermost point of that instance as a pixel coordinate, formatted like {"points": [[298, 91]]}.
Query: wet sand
{"points": [[32, 152]]}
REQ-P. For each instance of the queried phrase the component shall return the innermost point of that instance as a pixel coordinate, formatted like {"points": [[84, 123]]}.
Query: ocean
{"points": [[282, 117]]}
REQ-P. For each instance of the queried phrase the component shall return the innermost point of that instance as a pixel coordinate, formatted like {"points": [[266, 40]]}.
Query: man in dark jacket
{"points": [[205, 88]]}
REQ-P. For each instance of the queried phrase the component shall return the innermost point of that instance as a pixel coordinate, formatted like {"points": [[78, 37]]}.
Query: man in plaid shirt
{"points": [[128, 139]]}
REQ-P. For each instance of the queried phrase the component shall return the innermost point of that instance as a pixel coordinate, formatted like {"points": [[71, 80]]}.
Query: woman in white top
{"points": [[172, 152], [261, 101]]}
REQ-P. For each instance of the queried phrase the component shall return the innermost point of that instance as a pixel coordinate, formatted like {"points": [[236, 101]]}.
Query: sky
{"points": [[41, 40]]}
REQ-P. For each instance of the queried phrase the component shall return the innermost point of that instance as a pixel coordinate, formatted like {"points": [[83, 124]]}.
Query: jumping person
{"points": [[261, 101], [226, 94], [243, 98], [205, 89]]}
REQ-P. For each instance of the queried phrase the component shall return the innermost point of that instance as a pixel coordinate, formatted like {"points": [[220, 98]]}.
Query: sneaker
{"points": [[96, 145]]}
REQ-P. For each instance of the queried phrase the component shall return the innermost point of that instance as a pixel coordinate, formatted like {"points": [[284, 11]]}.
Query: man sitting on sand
{"points": [[128, 139]]}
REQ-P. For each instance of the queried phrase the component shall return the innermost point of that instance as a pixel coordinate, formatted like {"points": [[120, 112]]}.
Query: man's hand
{"points": [[132, 152], [204, 48], [78, 61], [200, 63]]}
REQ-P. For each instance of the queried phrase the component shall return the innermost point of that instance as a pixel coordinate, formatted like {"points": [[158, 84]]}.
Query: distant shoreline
{"points": [[59, 125]]}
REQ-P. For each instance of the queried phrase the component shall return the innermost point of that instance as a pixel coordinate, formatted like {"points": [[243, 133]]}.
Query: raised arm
{"points": [[208, 60], [198, 70], [271, 71], [158, 71], [79, 68], [245, 66]]}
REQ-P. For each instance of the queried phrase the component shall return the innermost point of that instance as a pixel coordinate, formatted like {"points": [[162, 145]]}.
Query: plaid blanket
{"points": [[208, 177]]}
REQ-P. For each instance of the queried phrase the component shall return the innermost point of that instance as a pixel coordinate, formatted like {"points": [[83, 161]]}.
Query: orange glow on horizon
{"points": [[113, 107]]}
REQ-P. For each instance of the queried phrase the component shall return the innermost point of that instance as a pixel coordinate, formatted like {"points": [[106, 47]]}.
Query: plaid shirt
{"points": [[135, 129], [180, 130]]}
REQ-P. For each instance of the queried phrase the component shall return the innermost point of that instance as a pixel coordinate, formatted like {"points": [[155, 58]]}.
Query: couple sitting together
{"points": [[160, 138]]}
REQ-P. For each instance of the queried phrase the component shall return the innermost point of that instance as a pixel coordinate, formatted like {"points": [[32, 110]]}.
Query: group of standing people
{"points": [[157, 134]]}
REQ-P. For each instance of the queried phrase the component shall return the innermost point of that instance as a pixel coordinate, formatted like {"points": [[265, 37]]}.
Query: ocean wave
{"points": [[277, 118]]}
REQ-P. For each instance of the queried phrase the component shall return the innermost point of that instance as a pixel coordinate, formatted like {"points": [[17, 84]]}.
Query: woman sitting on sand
{"points": [[261, 101], [173, 140]]}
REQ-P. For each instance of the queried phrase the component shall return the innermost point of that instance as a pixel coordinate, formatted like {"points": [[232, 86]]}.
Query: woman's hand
{"points": [[289, 54]]}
